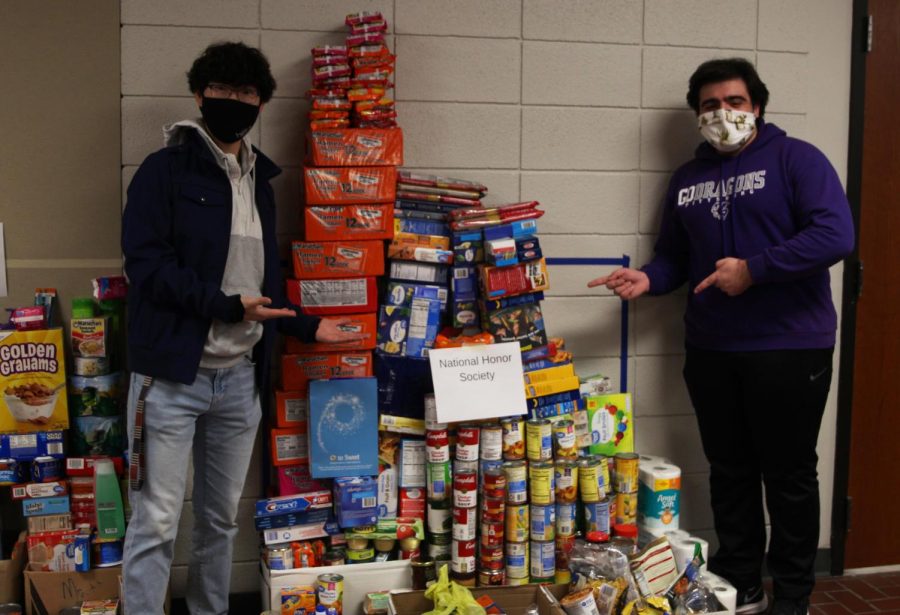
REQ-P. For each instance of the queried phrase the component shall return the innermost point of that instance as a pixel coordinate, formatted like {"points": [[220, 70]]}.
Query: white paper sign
{"points": [[478, 382]]}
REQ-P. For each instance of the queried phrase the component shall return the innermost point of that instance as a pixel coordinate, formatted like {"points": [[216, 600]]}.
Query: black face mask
{"points": [[228, 119]]}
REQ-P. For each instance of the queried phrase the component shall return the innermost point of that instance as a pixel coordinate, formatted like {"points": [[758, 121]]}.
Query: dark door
{"points": [[874, 476]]}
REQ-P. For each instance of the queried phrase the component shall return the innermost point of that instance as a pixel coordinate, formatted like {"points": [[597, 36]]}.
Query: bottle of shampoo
{"points": [[108, 501]]}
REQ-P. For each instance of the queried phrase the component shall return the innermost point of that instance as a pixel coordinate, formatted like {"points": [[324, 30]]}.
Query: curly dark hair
{"points": [[232, 64], [715, 71]]}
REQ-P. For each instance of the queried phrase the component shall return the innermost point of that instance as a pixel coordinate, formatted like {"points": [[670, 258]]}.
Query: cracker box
{"points": [[289, 446], [297, 370], [25, 447], [414, 271], [611, 421], [401, 293], [349, 185], [337, 222], [291, 408], [367, 324], [33, 379], [355, 147], [337, 259], [332, 297], [515, 280], [343, 428], [521, 323]]}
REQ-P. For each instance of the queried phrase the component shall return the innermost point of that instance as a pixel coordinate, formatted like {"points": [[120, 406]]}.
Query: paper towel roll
{"points": [[677, 535], [683, 550], [651, 460], [724, 591], [659, 496]]}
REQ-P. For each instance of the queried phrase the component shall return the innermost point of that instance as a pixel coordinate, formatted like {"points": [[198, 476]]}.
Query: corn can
{"points": [[538, 440], [626, 509], [543, 560], [516, 561], [540, 482], [517, 523], [596, 516], [543, 522], [626, 472]]}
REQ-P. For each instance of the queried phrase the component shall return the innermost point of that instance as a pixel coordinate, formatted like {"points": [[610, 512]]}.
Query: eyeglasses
{"points": [[244, 93]]}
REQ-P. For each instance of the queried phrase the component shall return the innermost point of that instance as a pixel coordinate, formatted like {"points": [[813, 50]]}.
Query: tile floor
{"points": [[848, 595]]}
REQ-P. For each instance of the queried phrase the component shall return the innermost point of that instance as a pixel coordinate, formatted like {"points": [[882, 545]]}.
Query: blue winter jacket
{"points": [[175, 234]]}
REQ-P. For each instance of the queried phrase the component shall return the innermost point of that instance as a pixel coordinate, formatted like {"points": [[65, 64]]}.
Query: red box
{"points": [[355, 147], [337, 259], [84, 466], [289, 446], [514, 280], [336, 296], [358, 323], [334, 222], [349, 185], [291, 408], [412, 502], [298, 369]]}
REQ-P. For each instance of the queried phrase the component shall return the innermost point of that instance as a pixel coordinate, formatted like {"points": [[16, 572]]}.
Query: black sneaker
{"points": [[790, 607], [752, 600]]}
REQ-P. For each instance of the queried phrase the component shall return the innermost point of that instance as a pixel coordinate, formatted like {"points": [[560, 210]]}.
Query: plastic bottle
{"points": [[108, 501]]}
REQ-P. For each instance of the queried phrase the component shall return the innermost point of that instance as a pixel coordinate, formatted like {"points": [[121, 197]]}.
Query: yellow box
{"points": [[551, 386], [33, 381], [549, 373]]}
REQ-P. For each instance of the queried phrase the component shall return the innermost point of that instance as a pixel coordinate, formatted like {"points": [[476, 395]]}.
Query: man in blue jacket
{"points": [[752, 224], [205, 298]]}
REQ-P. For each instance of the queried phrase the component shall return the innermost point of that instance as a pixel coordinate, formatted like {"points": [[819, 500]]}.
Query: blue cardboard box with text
{"points": [[343, 427]]}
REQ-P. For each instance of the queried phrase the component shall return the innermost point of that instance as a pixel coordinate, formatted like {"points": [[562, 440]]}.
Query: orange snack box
{"points": [[349, 185], [429, 241], [336, 296], [355, 147], [336, 222], [359, 323], [298, 369], [291, 408], [289, 446], [337, 259]]}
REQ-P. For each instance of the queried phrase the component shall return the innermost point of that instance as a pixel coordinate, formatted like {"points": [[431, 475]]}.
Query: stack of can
{"points": [[625, 484], [463, 567], [491, 560], [439, 513]]}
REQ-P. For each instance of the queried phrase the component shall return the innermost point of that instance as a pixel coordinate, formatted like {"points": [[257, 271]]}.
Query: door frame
{"points": [[852, 281]]}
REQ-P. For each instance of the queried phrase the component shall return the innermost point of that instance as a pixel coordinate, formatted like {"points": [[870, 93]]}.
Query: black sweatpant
{"points": [[759, 415]]}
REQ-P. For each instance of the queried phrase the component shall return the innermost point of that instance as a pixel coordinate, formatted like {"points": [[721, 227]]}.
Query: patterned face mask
{"points": [[727, 130]]}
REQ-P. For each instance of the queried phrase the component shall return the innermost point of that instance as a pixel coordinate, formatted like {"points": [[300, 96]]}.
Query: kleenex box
{"points": [[343, 427], [356, 501]]}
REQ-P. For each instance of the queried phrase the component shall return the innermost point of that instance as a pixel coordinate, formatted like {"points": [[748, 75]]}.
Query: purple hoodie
{"points": [[779, 205]]}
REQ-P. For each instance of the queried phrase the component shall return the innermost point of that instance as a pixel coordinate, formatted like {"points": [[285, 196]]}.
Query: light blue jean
{"points": [[217, 416]]}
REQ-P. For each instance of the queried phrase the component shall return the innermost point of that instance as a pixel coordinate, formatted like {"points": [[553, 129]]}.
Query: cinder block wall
{"points": [[576, 103]]}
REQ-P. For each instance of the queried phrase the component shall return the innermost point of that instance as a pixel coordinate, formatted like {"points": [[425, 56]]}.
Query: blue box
{"points": [[514, 230], [314, 500], [343, 427], [465, 314], [57, 505], [424, 324], [465, 284], [403, 383], [393, 324], [421, 227], [320, 515], [528, 249], [401, 293], [25, 447], [356, 501]]}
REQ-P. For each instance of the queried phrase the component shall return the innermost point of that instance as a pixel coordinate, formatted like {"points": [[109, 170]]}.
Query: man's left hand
{"points": [[330, 331], [731, 276]]}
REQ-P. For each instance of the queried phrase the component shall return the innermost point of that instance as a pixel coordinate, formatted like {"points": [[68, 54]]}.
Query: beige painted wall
{"points": [[60, 199]]}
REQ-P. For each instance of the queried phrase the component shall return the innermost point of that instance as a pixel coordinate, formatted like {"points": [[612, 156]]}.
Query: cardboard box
{"points": [[515, 280], [366, 324], [343, 427], [355, 147], [11, 573], [335, 222], [513, 600], [332, 297], [298, 369], [46, 593], [33, 369], [337, 259], [289, 446], [356, 501], [25, 447], [611, 421], [291, 408], [349, 185]]}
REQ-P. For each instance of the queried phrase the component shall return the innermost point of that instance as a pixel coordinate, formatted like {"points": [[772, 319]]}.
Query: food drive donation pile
{"points": [[72, 505]]}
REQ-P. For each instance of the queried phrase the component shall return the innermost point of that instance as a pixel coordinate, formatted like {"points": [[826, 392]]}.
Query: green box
{"points": [[611, 423]]}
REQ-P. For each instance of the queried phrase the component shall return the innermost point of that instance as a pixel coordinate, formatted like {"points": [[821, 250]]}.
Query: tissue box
{"points": [[356, 501]]}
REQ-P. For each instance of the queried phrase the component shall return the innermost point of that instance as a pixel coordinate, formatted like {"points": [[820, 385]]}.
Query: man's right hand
{"points": [[255, 309], [626, 283]]}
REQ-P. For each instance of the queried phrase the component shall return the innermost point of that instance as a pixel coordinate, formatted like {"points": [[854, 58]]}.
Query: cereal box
{"points": [[32, 378]]}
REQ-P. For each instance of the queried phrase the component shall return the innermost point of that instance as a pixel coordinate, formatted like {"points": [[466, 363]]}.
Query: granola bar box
{"points": [[32, 380]]}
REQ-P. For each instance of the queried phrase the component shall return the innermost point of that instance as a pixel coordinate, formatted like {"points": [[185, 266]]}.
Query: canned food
{"points": [[562, 576], [438, 480], [107, 553], [467, 481], [467, 440], [626, 472], [465, 523], [439, 552], [439, 518], [564, 439], [516, 561], [565, 544], [280, 557], [540, 482], [491, 558], [465, 498], [538, 440], [465, 466], [466, 579], [385, 544], [516, 481], [492, 534], [440, 538], [517, 580], [494, 484], [596, 516], [606, 468], [45, 469], [330, 591], [423, 572], [590, 480], [543, 560], [437, 446], [625, 512], [493, 509], [565, 519], [360, 556], [513, 438], [333, 558], [517, 523], [491, 578], [543, 522], [491, 442], [565, 475], [489, 465], [462, 556]]}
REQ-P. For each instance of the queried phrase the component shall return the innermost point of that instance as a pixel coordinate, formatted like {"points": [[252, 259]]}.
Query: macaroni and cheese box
{"points": [[367, 324], [343, 428], [33, 381], [289, 445], [291, 408], [355, 147], [349, 185], [297, 370], [332, 297], [335, 222], [337, 259]]}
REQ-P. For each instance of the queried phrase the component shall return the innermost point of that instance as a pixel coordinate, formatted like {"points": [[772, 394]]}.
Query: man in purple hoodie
{"points": [[752, 224]]}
